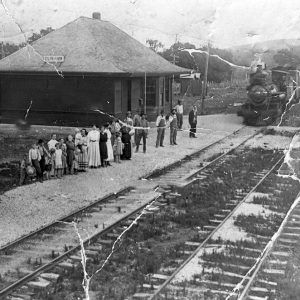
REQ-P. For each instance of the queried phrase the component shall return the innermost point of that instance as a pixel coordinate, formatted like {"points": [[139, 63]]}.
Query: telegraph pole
{"points": [[145, 94], [2, 45], [204, 87]]}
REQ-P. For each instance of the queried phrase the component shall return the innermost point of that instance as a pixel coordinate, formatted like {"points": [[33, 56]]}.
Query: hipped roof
{"points": [[89, 46]]}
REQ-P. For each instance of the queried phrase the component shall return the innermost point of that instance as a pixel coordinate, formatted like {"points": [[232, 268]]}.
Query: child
{"points": [[75, 166], [118, 147], [63, 148], [58, 161], [52, 162], [48, 165], [23, 166]]}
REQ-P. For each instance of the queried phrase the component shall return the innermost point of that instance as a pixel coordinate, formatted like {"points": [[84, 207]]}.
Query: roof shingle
{"points": [[89, 46]]}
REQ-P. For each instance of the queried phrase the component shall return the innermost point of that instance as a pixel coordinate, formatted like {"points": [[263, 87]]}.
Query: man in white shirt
{"points": [[179, 114], [161, 126], [51, 144]]}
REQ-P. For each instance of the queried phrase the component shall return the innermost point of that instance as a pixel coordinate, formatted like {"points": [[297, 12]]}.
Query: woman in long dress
{"points": [[83, 155], [70, 153], [103, 147], [110, 153], [93, 148], [126, 140]]}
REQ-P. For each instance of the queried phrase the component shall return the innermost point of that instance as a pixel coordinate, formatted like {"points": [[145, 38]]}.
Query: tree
{"points": [[286, 57], [154, 44], [217, 69], [9, 48], [36, 36]]}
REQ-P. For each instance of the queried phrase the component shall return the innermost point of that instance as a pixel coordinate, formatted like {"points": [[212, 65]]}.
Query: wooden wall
{"points": [[71, 100], [56, 100]]}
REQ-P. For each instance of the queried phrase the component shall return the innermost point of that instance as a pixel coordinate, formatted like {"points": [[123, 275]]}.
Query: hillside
{"points": [[244, 54]]}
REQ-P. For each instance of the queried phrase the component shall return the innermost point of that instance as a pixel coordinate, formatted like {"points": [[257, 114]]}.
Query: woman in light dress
{"points": [[93, 148], [83, 156], [110, 153]]}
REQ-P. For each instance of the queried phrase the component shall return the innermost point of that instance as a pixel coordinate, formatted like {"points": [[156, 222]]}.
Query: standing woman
{"points": [[93, 148], [103, 146], [110, 153], [126, 140], [78, 139], [44, 153], [83, 155], [70, 153], [193, 121]]}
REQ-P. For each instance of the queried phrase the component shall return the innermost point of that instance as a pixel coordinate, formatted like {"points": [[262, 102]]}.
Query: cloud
{"points": [[224, 22]]}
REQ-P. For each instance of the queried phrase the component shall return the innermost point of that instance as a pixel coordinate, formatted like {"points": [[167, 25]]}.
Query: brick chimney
{"points": [[96, 15]]}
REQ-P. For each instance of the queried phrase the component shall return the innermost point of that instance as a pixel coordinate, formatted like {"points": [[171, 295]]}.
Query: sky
{"points": [[224, 23]]}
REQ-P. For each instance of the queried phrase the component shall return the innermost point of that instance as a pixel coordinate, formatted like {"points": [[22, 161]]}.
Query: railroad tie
{"points": [[141, 296], [40, 284], [20, 297], [150, 286], [50, 276], [193, 244], [78, 258], [209, 227], [159, 277], [113, 235], [67, 265], [105, 242], [94, 248]]}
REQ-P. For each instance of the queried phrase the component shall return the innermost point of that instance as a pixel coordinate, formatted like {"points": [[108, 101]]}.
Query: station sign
{"points": [[53, 59]]}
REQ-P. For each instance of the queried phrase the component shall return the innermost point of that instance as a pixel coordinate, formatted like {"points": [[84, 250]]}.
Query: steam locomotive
{"points": [[266, 101]]}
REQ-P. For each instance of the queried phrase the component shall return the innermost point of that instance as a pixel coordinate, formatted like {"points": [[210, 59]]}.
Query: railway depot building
{"points": [[86, 65]]}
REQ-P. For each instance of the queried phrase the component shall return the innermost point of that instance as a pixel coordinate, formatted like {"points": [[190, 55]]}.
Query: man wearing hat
{"points": [[179, 114]]}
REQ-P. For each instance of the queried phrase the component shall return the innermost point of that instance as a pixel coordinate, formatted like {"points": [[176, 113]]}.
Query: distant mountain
{"points": [[244, 54]]}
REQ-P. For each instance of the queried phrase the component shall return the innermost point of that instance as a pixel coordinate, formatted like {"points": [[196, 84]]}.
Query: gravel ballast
{"points": [[27, 208]]}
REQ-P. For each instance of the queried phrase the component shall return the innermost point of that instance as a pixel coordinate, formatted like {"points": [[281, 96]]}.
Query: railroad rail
{"points": [[115, 203], [275, 258], [151, 175], [208, 239]]}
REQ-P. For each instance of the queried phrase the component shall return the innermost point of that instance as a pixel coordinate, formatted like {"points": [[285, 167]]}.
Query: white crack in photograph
{"points": [[149, 150]]}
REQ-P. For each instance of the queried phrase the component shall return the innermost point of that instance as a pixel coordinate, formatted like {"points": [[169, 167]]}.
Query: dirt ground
{"points": [[26, 208]]}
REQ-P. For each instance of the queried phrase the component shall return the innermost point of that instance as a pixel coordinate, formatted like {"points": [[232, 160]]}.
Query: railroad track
{"points": [[125, 206], [226, 270], [270, 274]]}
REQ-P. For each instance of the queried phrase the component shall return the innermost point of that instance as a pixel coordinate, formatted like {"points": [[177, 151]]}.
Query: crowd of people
{"points": [[99, 147]]}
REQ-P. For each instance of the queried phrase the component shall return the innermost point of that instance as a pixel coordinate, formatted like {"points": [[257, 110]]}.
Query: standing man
{"points": [[173, 127], [161, 126], [136, 123], [179, 113], [142, 133], [193, 121]]}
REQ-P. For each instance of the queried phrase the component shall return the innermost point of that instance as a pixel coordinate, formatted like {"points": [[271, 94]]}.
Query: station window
{"points": [[150, 91]]}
